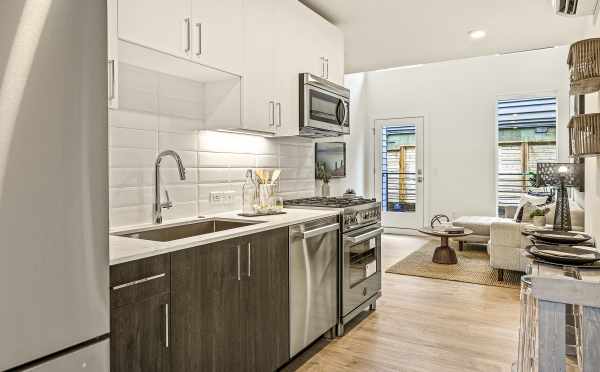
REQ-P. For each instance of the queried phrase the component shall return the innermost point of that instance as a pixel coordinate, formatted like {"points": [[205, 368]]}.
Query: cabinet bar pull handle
{"points": [[327, 68], [111, 64], [188, 40], [272, 121], [139, 281], [249, 258], [279, 113], [239, 269], [167, 326], [199, 26]]}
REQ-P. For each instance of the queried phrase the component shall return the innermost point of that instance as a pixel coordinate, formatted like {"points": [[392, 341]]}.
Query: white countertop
{"points": [[124, 249]]}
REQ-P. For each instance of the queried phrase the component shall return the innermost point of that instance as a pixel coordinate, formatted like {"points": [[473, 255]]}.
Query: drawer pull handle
{"points": [[139, 281]]}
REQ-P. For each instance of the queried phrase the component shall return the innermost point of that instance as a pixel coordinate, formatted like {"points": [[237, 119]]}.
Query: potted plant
{"points": [[324, 175], [539, 217]]}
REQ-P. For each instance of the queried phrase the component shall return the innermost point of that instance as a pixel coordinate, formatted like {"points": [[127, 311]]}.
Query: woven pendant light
{"points": [[584, 135], [584, 63]]}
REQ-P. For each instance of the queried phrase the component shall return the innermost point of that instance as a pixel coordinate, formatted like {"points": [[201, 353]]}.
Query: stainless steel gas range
{"points": [[359, 279]]}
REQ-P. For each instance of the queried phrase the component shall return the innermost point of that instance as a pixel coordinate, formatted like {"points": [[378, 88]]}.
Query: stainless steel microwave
{"points": [[324, 107]]}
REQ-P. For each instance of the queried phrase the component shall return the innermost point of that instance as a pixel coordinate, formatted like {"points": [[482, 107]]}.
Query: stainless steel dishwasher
{"points": [[313, 281]]}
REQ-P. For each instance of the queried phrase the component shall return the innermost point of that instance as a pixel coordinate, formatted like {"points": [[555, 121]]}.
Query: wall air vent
{"points": [[575, 8]]}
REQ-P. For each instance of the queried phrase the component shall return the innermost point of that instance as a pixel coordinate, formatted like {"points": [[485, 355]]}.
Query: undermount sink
{"points": [[169, 233]]}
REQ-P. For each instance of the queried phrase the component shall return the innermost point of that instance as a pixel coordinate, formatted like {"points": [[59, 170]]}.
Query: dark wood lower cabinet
{"points": [[139, 336], [265, 303], [205, 294], [218, 307], [230, 305]]}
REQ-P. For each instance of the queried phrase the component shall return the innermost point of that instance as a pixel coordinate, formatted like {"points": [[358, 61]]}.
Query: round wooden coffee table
{"points": [[444, 254]]}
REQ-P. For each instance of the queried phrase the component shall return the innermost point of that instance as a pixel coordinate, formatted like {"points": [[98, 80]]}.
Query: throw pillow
{"points": [[534, 200], [528, 209], [519, 213]]}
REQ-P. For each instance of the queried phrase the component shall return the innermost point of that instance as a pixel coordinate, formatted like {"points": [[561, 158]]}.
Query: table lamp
{"points": [[560, 176]]}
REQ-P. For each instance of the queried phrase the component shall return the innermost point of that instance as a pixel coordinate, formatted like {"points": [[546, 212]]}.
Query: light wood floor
{"points": [[424, 325]]}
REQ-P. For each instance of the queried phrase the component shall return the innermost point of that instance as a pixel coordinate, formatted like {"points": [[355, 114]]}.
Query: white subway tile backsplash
{"points": [[131, 157], [170, 176], [182, 193], [131, 177], [180, 210], [214, 175], [214, 161], [132, 138], [131, 196], [267, 161], [237, 174], [133, 119], [172, 123], [177, 141], [131, 215]]}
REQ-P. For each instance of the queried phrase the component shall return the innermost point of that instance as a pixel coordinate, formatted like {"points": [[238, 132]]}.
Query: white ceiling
{"points": [[389, 33]]}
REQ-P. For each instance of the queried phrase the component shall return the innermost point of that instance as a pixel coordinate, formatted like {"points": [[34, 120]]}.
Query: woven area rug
{"points": [[473, 267]]}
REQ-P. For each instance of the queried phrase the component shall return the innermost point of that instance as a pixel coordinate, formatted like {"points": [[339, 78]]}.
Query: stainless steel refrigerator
{"points": [[54, 305]]}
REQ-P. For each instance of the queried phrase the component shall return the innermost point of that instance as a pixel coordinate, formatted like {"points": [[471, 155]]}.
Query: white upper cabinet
{"points": [[259, 66], [158, 24], [217, 27], [333, 39], [291, 47], [113, 54]]}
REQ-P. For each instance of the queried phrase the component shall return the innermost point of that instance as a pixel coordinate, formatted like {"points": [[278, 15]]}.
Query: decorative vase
{"points": [[325, 189], [539, 221]]}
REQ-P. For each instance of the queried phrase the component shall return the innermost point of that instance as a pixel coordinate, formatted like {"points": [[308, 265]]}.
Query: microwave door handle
{"points": [[338, 117], [345, 112], [320, 230], [366, 236]]}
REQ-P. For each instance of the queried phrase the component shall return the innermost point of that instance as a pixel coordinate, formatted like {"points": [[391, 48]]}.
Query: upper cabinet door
{"points": [[334, 53], [217, 28], [290, 54], [259, 65], [158, 24], [113, 54]]}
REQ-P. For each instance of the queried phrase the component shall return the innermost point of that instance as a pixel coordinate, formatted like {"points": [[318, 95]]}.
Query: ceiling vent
{"points": [[575, 8]]}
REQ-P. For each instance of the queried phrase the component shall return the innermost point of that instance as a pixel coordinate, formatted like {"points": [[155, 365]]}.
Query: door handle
{"points": [[199, 26], [249, 258], [279, 113], [320, 230], [361, 238], [111, 91], [272, 110], [167, 326], [188, 41], [239, 267]]}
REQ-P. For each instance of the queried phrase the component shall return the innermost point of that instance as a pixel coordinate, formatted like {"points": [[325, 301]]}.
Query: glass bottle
{"points": [[248, 194]]}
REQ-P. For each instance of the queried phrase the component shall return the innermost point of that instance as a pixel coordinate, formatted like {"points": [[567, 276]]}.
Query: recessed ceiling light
{"points": [[477, 34]]}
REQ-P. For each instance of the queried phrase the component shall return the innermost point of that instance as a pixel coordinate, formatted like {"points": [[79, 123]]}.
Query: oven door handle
{"points": [[320, 230], [362, 237]]}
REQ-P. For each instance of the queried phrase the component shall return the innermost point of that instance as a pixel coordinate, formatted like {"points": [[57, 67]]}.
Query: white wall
{"points": [[592, 164], [357, 163], [457, 99]]}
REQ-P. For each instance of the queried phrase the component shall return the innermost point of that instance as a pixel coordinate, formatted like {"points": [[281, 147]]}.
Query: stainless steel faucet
{"points": [[158, 206]]}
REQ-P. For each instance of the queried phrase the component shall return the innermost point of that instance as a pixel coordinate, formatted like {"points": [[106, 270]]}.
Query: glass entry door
{"points": [[399, 171]]}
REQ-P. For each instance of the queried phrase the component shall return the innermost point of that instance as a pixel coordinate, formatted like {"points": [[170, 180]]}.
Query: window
{"points": [[526, 136], [398, 168]]}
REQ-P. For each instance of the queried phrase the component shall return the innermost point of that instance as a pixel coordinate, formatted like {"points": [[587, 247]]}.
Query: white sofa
{"points": [[504, 239]]}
